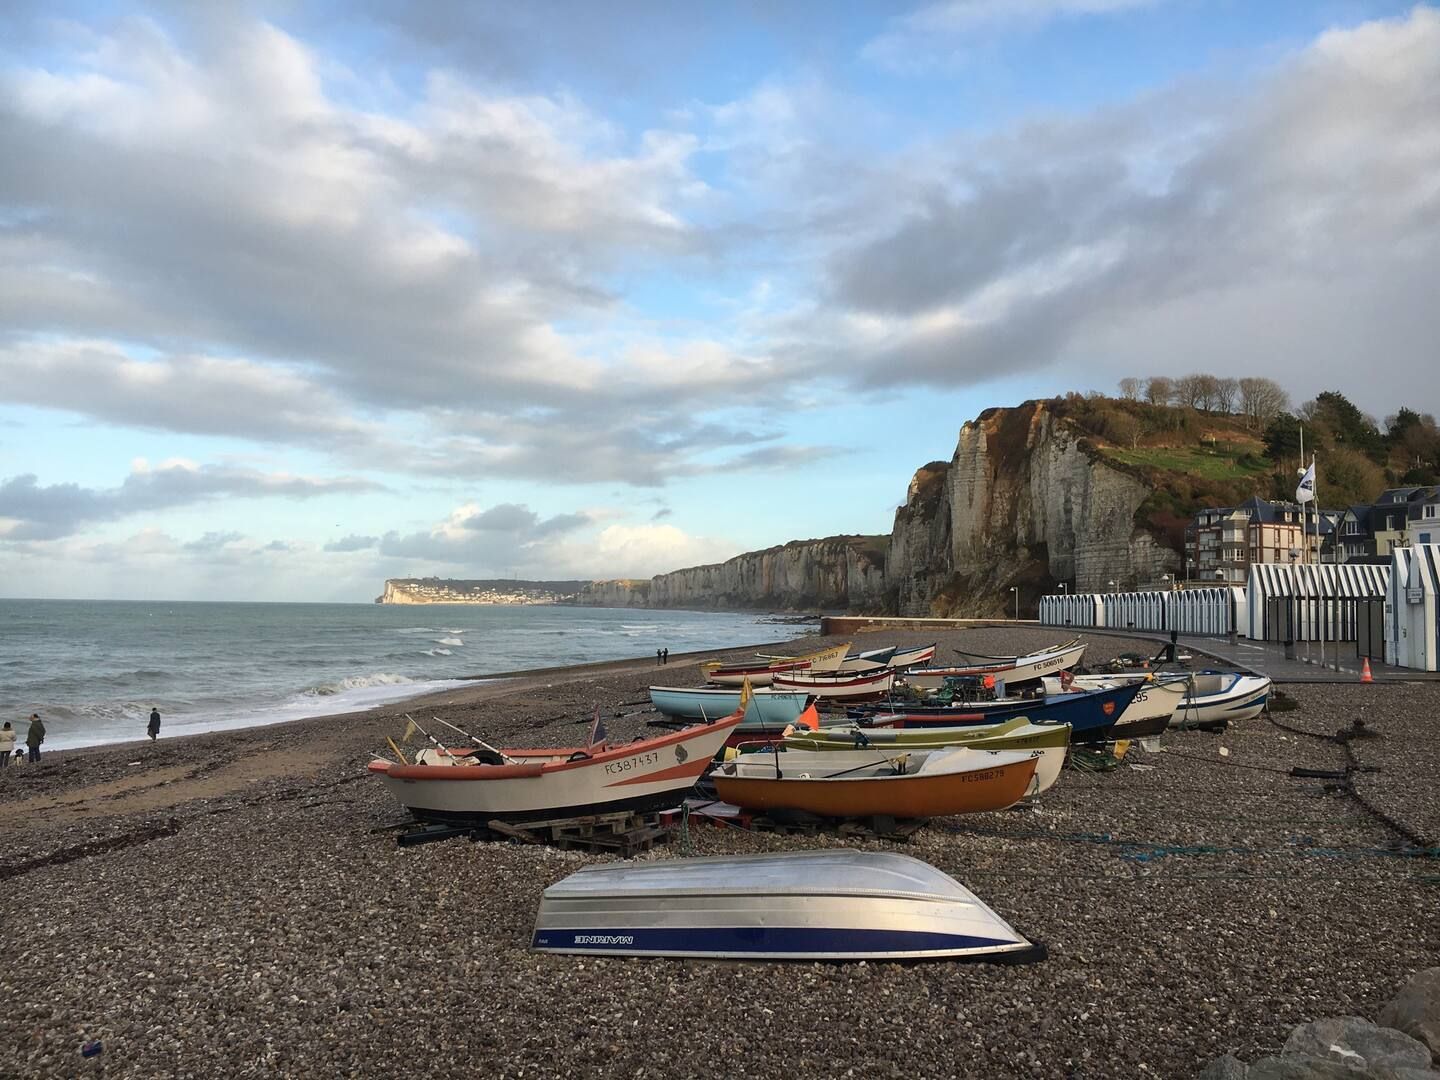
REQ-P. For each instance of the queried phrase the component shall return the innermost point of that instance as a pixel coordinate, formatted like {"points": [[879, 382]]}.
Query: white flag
{"points": [[1306, 490]]}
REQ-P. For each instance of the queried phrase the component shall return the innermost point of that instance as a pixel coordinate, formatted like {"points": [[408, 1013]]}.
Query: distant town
{"points": [[434, 590]]}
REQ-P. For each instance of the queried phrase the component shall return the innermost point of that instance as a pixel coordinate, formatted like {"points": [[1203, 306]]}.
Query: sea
{"points": [[94, 669]]}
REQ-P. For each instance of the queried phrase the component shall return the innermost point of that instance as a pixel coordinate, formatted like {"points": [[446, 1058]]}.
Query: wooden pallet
{"points": [[624, 834], [859, 828]]}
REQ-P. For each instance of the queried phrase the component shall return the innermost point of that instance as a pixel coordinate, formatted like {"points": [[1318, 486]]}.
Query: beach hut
{"points": [[1071, 609], [1412, 608], [1209, 611], [1310, 602]]}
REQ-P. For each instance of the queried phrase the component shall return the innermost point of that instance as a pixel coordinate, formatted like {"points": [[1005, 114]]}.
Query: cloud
{"points": [[939, 33], [496, 538], [212, 542], [1290, 230], [30, 511], [352, 543]]}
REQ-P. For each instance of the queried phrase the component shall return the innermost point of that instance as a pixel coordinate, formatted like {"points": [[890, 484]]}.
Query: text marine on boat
{"points": [[801, 905]]}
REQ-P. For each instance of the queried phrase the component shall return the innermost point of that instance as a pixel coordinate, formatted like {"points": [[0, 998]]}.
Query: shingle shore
{"points": [[1202, 905]]}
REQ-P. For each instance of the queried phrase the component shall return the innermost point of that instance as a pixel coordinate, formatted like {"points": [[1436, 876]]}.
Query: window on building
{"points": [[1430, 510]]}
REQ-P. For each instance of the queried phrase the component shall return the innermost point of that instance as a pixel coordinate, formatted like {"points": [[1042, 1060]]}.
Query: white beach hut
{"points": [[1412, 608]]}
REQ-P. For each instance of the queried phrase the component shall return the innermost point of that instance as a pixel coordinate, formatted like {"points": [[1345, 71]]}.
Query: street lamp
{"points": [[1064, 588], [1016, 590], [1111, 584]]}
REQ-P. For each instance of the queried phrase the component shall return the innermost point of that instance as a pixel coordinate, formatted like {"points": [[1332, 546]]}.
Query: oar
{"points": [[433, 741], [475, 739]]}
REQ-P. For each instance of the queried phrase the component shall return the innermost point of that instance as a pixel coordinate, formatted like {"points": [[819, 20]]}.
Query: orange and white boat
{"points": [[922, 784], [454, 786]]}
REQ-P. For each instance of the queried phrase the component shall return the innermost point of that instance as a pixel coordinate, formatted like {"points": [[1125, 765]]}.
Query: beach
{"points": [[223, 905]]}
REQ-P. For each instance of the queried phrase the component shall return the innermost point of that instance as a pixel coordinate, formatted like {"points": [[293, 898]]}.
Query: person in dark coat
{"points": [[154, 729], [666, 654], [35, 736], [657, 657]]}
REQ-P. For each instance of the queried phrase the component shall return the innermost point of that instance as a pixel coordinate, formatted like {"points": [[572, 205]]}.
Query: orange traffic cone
{"points": [[1365, 675]]}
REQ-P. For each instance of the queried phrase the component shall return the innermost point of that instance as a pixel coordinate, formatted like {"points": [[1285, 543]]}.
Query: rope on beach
{"points": [[1346, 784]]}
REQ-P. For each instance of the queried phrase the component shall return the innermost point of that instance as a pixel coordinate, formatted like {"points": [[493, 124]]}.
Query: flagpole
{"points": [[1304, 546]]}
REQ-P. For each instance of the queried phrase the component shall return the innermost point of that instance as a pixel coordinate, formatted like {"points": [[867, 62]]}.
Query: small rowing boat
{"points": [[455, 786], [1014, 671], [797, 905], [1050, 741], [922, 784], [768, 705], [1091, 714], [837, 687], [761, 673]]}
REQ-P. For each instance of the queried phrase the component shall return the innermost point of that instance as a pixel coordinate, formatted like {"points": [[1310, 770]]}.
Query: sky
{"points": [[295, 297]]}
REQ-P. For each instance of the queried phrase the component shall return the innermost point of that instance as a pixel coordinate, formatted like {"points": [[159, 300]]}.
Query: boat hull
{"points": [[1048, 760], [1015, 673], [804, 905], [774, 708], [838, 688], [652, 774], [918, 795], [1092, 715]]}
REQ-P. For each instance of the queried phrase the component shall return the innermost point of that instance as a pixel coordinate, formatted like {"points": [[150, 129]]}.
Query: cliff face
{"points": [[1024, 502], [845, 572], [1021, 503]]}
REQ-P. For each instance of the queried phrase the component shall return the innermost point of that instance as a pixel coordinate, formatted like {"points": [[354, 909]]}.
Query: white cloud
{"points": [[941, 33]]}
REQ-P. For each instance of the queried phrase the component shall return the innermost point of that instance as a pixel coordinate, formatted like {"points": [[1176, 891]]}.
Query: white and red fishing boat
{"points": [[763, 671], [1015, 670], [455, 786], [838, 687]]}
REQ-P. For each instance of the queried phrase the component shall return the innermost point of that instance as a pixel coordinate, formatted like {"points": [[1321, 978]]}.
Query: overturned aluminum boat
{"points": [[799, 905]]}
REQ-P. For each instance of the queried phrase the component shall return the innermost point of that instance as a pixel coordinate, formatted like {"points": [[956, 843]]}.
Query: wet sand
{"points": [[225, 908]]}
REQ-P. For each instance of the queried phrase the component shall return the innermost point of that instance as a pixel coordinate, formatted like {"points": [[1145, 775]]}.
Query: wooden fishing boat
{"points": [[1003, 658], [762, 673], [913, 657], [1208, 699], [950, 781], [767, 705], [1050, 741], [1150, 711], [455, 786], [1015, 672], [797, 905], [837, 687], [1217, 698], [1091, 714]]}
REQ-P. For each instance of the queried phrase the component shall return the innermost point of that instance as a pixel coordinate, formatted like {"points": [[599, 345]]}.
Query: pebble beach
{"points": [[230, 905]]}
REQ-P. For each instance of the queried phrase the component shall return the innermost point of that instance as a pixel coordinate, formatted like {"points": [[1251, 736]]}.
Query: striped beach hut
{"points": [[1310, 602], [1209, 611], [1412, 608]]}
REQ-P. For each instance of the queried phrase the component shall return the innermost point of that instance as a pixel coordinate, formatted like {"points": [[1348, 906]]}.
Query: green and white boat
{"points": [[1050, 740]]}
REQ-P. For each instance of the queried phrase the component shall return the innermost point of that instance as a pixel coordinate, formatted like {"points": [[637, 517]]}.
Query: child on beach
{"points": [[7, 744]]}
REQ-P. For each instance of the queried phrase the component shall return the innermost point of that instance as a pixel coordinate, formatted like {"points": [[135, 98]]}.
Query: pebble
{"points": [[1202, 908]]}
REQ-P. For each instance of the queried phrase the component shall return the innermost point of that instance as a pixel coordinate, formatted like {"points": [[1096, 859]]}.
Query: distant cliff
{"points": [[839, 572], [488, 591], [1026, 501]]}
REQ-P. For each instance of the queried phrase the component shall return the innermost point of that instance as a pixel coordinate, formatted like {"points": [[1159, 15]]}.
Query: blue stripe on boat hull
{"points": [[777, 942]]}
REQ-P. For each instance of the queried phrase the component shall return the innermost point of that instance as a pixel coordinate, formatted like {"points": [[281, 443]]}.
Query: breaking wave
{"points": [[359, 682]]}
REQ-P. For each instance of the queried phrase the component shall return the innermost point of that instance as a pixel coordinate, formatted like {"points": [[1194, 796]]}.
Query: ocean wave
{"points": [[449, 641], [358, 682], [438, 652], [415, 630], [454, 630]]}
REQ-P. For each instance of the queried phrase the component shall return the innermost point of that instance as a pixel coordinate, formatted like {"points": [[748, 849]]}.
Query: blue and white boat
{"points": [[1091, 714], [799, 905], [768, 707]]}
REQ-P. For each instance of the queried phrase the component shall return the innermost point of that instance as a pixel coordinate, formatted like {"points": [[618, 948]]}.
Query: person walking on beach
{"points": [[35, 736], [7, 744], [154, 729], [665, 656], [657, 657]]}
